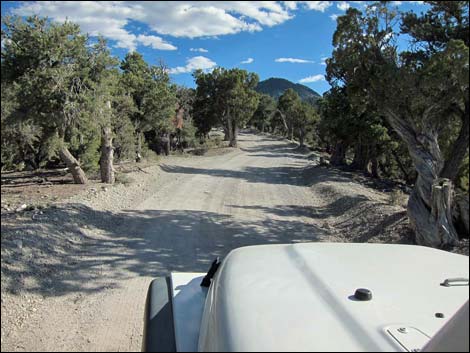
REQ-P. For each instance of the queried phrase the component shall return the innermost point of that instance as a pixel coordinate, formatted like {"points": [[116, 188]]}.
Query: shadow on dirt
{"points": [[302, 170], [283, 155], [57, 258], [38, 177], [342, 205], [363, 220], [290, 175]]}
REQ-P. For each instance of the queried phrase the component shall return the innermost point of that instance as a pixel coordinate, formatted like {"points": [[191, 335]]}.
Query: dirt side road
{"points": [[78, 279]]}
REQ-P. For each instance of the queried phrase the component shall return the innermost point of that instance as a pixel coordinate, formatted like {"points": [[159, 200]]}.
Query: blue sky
{"points": [[287, 39]]}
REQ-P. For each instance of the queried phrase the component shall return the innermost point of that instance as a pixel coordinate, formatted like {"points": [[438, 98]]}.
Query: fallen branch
{"points": [[143, 171]]}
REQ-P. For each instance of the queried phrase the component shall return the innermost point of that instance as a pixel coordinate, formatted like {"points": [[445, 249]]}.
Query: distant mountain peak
{"points": [[276, 86]]}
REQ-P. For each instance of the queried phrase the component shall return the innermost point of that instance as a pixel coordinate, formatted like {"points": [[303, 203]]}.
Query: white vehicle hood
{"points": [[300, 298]]}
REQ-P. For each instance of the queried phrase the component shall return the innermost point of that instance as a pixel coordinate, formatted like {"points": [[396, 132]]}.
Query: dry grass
{"points": [[397, 198]]}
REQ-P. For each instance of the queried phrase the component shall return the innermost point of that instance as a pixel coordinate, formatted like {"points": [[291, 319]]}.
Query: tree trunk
{"points": [[138, 157], [301, 137], [229, 130], [233, 139], [78, 174], [168, 144], [339, 154], [434, 226], [164, 143], [374, 163], [375, 167], [107, 155], [284, 122], [361, 159], [226, 134], [430, 204], [291, 133]]}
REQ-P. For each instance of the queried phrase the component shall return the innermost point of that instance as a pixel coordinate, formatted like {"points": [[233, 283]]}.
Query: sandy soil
{"points": [[75, 276]]}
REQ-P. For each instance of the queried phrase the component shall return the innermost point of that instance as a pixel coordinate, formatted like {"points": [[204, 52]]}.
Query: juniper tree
{"points": [[305, 119], [153, 95], [419, 92], [226, 97], [47, 62], [287, 101], [263, 115]]}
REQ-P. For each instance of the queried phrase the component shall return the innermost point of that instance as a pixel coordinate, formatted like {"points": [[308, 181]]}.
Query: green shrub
{"points": [[122, 178], [188, 135], [150, 155], [200, 151]]}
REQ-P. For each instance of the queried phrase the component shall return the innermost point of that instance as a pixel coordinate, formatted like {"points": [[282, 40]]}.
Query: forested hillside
{"points": [[275, 87]]}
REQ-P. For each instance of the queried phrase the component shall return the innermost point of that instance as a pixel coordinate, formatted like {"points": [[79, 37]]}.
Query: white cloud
{"points": [[317, 5], [247, 61], [97, 18], [334, 16], [200, 50], [310, 5], [399, 3], [190, 19], [313, 78], [343, 5], [185, 19], [197, 62], [359, 4], [154, 42], [323, 61], [291, 5], [293, 60]]}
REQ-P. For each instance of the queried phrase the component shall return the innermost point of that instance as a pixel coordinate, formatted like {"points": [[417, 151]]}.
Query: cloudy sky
{"points": [[288, 39]]}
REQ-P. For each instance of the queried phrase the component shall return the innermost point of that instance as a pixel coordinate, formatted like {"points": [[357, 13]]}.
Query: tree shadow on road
{"points": [[280, 147], [58, 258], [297, 175], [269, 175], [283, 155], [333, 209], [354, 218]]}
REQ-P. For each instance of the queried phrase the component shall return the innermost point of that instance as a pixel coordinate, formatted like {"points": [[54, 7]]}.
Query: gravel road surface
{"points": [[78, 279]]}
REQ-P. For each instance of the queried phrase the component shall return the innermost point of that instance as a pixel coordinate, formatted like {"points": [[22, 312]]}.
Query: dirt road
{"points": [[88, 295]]}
